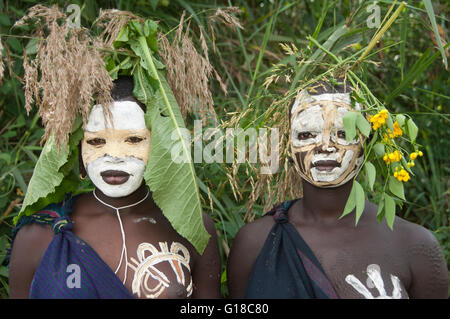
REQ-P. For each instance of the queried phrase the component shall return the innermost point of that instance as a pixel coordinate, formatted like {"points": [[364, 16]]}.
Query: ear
{"points": [[81, 168]]}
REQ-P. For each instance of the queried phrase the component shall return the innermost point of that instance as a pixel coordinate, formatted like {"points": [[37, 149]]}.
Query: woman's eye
{"points": [[305, 135], [341, 134], [96, 141], [133, 139]]}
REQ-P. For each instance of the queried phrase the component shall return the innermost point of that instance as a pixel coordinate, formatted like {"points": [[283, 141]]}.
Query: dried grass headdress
{"points": [[66, 75], [74, 68]]}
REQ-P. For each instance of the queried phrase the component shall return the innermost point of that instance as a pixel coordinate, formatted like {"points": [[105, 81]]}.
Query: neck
{"points": [[118, 202], [325, 204]]}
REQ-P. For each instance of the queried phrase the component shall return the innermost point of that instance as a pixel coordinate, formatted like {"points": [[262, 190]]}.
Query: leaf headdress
{"points": [[390, 146], [126, 46]]}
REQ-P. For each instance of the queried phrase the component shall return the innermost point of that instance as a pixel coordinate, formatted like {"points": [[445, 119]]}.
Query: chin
{"points": [[122, 190]]}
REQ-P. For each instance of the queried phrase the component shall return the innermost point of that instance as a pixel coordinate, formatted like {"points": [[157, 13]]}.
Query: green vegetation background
{"points": [[244, 58]]}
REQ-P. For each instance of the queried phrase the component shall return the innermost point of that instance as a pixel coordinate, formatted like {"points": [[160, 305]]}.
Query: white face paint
{"points": [[115, 157], [375, 280], [321, 152]]}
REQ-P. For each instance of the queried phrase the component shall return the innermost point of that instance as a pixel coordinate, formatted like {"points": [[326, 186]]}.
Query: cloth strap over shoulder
{"points": [[286, 266]]}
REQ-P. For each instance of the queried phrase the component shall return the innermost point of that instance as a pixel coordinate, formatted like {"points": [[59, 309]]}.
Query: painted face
{"points": [[115, 156], [322, 155]]}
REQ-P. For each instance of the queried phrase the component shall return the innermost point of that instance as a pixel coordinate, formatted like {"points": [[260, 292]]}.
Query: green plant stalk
{"points": [[261, 54], [378, 35]]}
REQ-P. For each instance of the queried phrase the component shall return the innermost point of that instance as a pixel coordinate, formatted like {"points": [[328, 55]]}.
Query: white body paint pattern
{"points": [[323, 120], [145, 267], [375, 281], [116, 153]]}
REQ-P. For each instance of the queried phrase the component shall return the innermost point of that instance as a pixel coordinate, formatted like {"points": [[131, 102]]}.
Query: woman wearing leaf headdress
{"points": [[309, 247], [139, 230]]}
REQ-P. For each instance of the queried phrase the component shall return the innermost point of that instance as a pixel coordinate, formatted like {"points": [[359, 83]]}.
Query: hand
{"points": [[374, 274]]}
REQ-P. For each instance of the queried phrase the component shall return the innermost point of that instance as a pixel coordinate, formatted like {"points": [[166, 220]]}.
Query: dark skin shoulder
{"points": [[207, 267], [429, 273], [27, 251], [243, 253]]}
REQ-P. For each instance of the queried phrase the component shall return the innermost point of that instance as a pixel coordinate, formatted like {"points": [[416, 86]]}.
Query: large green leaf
{"points": [[49, 182], [173, 184]]}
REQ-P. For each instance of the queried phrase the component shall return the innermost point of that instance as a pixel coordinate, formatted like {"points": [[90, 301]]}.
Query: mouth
{"points": [[115, 177], [325, 166]]}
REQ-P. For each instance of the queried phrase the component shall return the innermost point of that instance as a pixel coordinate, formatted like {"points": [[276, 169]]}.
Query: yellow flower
{"points": [[392, 157], [397, 130], [402, 175], [410, 164], [378, 119], [413, 155], [420, 153]]}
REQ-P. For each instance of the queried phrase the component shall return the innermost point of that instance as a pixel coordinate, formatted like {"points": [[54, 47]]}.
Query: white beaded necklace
{"points": [[124, 247]]}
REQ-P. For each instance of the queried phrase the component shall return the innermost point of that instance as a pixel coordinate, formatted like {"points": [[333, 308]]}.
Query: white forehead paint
{"points": [[304, 97], [130, 165], [127, 115], [374, 274]]}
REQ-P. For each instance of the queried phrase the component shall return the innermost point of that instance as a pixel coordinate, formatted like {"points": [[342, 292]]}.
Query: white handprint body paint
{"points": [[375, 280]]}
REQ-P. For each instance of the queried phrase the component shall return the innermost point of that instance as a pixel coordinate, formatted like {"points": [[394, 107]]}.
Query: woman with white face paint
{"points": [[303, 249], [113, 242]]}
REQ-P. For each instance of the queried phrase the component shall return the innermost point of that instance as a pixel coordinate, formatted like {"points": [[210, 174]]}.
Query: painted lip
{"points": [[326, 166], [115, 177]]}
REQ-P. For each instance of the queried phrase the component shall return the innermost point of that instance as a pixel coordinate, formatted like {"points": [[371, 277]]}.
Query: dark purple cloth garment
{"points": [[286, 267], [70, 268]]}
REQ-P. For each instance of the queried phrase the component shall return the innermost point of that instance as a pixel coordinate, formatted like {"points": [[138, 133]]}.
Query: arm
{"points": [[245, 249], [428, 267], [27, 251], [207, 267]]}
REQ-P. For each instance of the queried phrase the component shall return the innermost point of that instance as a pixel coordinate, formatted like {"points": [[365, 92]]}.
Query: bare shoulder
{"points": [[253, 235], [426, 261], [28, 248], [414, 234], [209, 224], [245, 248], [32, 240]]}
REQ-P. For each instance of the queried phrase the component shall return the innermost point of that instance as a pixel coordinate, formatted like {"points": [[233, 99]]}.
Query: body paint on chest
{"points": [[375, 280], [145, 268]]}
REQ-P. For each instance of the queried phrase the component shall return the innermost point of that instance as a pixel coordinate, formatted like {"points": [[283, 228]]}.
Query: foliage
{"points": [[404, 71]]}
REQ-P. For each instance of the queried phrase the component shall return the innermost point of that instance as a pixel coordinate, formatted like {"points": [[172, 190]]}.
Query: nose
{"points": [[327, 146], [113, 160]]}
